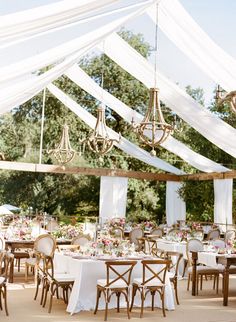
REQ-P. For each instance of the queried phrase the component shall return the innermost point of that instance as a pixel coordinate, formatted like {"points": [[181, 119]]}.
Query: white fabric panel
{"points": [[63, 50], [77, 75], [208, 124], [113, 197], [175, 206], [187, 35], [46, 17], [223, 192], [124, 144], [19, 93]]}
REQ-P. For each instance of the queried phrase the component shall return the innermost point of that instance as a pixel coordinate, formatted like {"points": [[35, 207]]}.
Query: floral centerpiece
{"points": [[116, 222], [148, 225], [68, 231], [110, 246], [196, 226], [19, 229]]}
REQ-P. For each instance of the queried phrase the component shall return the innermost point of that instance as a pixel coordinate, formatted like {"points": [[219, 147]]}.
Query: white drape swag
{"points": [[113, 197], [188, 36], [223, 189], [175, 206]]}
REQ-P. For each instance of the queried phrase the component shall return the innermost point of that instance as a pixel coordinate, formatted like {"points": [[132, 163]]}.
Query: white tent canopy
{"points": [[98, 21]]}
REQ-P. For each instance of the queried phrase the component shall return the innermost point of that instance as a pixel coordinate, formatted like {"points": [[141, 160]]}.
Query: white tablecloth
{"points": [[171, 246], [209, 259], [87, 272]]}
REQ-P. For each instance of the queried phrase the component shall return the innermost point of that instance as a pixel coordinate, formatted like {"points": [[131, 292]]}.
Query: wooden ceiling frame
{"points": [[47, 168]]}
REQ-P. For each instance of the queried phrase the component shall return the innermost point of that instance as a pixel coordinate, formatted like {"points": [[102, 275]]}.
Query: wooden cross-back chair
{"points": [[153, 281], [117, 285], [6, 260], [173, 269], [54, 281], [195, 245]]}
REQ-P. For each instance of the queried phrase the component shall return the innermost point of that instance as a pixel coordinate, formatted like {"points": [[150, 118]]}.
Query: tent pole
{"points": [[42, 126]]}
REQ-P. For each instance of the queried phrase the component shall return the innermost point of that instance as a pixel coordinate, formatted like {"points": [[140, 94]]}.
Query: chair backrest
{"points": [[81, 240], [135, 234], [119, 271], [45, 244], [2, 243], [230, 235], [52, 225], [158, 232], [47, 266], [154, 271], [6, 260], [175, 258], [218, 243], [193, 245], [173, 232], [151, 243], [199, 234], [213, 234], [117, 232]]}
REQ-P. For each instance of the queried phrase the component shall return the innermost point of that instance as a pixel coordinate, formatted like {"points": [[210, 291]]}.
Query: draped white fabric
{"points": [[77, 75], [223, 189], [42, 18], [175, 206], [40, 54], [20, 92], [113, 197], [201, 119], [188, 36], [124, 145]]}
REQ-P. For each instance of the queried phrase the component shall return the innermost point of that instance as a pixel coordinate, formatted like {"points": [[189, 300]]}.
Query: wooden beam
{"points": [[202, 176], [46, 168]]}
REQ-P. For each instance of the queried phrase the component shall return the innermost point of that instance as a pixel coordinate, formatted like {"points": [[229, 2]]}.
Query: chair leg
{"points": [[142, 302], [188, 282], [51, 297], [118, 301], [176, 291], [152, 294], [5, 298], [38, 281], [127, 302], [163, 302], [185, 266], [201, 279], [106, 308], [26, 272], [217, 284], [46, 293], [97, 301], [43, 291], [134, 290], [1, 298], [18, 264]]}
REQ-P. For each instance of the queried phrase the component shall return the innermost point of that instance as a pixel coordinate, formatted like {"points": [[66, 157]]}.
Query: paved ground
{"points": [[207, 307]]}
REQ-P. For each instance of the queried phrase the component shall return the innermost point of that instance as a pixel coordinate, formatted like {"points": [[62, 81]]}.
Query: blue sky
{"points": [[216, 17]]}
